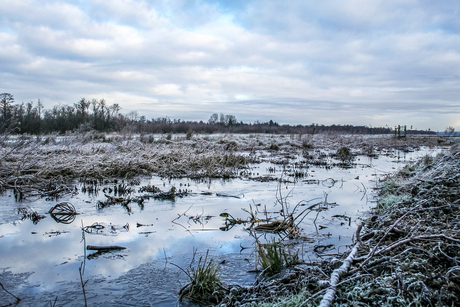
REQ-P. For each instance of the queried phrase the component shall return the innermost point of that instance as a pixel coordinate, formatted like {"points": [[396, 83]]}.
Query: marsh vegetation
{"points": [[234, 219]]}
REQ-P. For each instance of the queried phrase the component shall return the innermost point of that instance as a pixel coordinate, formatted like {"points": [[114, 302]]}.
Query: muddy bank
{"points": [[407, 253]]}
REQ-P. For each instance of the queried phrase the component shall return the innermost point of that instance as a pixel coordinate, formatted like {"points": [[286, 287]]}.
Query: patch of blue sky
{"points": [[82, 4], [232, 6], [445, 27], [185, 14], [7, 30]]}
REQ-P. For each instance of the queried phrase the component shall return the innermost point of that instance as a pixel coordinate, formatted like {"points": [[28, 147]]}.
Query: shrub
{"points": [[274, 147], [307, 145], [345, 155]]}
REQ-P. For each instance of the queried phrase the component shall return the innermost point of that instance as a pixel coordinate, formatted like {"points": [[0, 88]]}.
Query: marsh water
{"points": [[40, 261]]}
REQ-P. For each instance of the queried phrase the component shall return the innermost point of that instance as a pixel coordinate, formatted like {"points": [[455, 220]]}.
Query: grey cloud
{"points": [[253, 57]]}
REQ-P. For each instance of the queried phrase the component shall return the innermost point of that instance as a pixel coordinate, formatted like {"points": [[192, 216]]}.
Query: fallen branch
{"points": [[386, 233], [115, 199], [407, 240], [104, 248], [335, 276], [340, 283]]}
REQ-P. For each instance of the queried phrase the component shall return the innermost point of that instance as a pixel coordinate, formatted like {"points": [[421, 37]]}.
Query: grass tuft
{"points": [[204, 281], [273, 257]]}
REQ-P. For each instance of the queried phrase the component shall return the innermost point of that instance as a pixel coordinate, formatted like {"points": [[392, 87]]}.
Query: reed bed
{"points": [[31, 163]]}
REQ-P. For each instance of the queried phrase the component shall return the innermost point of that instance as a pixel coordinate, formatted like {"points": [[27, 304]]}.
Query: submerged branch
{"points": [[17, 298]]}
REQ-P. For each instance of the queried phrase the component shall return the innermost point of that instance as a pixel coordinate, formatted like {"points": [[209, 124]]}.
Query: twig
{"points": [[445, 255], [83, 264], [371, 254], [83, 284], [166, 258], [17, 298], [179, 216], [407, 240], [365, 191], [83, 238]]}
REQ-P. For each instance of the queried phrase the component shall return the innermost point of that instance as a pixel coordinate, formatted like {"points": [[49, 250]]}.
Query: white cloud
{"points": [[296, 62]]}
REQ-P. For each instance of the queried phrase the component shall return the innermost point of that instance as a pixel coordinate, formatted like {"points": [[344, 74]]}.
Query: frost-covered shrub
{"points": [[392, 199]]}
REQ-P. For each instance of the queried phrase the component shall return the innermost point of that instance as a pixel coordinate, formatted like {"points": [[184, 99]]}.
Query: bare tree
{"points": [[214, 119], [230, 120], [450, 130]]}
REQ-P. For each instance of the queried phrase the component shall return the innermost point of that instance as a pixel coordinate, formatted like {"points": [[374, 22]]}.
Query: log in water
{"points": [[104, 248]]}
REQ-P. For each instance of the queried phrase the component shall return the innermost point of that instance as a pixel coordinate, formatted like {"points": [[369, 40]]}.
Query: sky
{"points": [[357, 62]]}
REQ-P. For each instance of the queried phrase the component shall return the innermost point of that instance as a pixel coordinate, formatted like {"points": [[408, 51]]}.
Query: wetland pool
{"points": [[39, 262]]}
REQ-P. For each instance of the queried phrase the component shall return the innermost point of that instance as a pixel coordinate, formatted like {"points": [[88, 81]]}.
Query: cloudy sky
{"points": [[359, 62]]}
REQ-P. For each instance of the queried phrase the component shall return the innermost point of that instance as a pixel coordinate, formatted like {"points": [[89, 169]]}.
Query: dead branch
{"points": [[335, 277], [407, 240], [104, 248]]}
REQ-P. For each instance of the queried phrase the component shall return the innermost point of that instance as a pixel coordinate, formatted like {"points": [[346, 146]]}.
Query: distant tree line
{"points": [[32, 118]]}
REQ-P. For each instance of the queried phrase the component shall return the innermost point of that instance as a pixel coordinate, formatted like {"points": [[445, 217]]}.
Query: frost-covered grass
{"points": [[390, 194], [285, 301], [35, 159], [89, 156]]}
